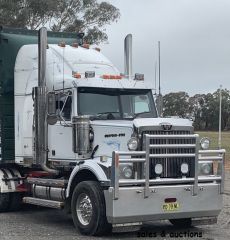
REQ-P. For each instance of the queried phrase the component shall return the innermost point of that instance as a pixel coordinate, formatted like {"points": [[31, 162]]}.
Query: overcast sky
{"points": [[194, 36]]}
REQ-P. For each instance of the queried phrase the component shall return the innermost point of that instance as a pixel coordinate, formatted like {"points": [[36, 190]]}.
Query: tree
{"points": [[209, 112], [203, 108], [88, 16], [176, 104], [195, 110], [225, 122]]}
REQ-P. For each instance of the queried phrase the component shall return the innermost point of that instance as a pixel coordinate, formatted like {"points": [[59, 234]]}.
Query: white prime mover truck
{"points": [[78, 135]]}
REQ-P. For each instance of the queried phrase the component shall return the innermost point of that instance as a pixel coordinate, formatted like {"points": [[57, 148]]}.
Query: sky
{"points": [[194, 37]]}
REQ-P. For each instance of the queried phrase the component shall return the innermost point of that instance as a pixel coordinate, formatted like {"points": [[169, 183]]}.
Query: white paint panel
{"points": [[60, 140], [109, 144], [19, 103]]}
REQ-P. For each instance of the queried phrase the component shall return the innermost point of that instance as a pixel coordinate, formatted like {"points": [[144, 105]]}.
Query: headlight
{"points": [[204, 143], [184, 168], [126, 171], [158, 169], [206, 168], [132, 144]]}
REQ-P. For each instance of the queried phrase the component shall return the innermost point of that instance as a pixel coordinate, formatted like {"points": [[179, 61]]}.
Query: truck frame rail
{"points": [[144, 157]]}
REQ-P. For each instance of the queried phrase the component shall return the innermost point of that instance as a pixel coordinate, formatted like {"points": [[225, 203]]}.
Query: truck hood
{"points": [[117, 123], [143, 122], [113, 135]]}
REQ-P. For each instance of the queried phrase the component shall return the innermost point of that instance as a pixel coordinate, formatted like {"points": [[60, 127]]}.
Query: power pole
{"points": [[220, 117]]}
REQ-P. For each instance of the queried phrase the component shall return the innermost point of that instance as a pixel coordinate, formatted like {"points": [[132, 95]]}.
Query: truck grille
{"points": [[171, 165]]}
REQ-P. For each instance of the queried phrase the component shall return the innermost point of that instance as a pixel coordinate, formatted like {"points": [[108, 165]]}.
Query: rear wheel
{"points": [[182, 222], [4, 202], [88, 209], [15, 201]]}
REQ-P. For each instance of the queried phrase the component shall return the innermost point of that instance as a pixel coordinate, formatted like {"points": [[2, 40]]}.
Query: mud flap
{"points": [[10, 179]]}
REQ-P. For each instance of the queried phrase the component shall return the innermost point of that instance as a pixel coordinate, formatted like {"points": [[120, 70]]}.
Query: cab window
{"points": [[64, 106]]}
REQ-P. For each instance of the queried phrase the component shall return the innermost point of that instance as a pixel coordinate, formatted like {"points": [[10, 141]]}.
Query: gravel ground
{"points": [[33, 223]]}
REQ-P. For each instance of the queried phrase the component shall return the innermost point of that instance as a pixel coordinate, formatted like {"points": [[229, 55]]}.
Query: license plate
{"points": [[168, 207]]}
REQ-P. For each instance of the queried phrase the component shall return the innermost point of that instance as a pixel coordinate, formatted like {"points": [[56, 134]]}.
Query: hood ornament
{"points": [[166, 126]]}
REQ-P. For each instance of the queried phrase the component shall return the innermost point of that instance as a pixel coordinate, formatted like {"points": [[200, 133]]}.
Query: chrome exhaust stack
{"points": [[40, 107], [128, 56]]}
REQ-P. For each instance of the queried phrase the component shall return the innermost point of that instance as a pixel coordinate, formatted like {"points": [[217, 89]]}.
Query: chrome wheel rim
{"points": [[84, 209]]}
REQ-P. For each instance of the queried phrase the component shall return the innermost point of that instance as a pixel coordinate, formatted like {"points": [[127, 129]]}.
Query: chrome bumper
{"points": [[136, 200], [132, 206]]}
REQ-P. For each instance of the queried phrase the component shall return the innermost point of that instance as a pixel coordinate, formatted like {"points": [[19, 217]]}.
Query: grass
{"points": [[225, 141]]}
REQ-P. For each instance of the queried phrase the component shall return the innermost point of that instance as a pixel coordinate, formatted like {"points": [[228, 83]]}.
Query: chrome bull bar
{"points": [[144, 157]]}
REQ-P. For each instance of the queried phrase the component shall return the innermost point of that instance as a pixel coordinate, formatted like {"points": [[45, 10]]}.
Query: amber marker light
{"points": [[111, 77], [86, 45], [77, 75], [75, 45], [61, 44]]}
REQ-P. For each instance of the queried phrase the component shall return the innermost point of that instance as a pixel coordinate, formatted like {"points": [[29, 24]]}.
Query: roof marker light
{"points": [[114, 77], [139, 77], [105, 76], [76, 75], [118, 77], [61, 44], [86, 45], [75, 45]]}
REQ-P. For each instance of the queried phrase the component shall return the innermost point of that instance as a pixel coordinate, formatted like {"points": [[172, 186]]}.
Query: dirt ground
{"points": [[33, 223]]}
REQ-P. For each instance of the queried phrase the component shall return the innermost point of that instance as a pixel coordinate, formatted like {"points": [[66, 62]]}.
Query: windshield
{"points": [[104, 103]]}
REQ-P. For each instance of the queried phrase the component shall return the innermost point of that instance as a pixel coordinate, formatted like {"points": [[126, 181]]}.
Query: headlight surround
{"points": [[205, 143], [205, 168], [126, 171], [132, 144]]}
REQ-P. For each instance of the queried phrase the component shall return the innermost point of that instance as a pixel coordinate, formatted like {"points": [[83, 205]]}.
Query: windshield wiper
{"points": [[103, 116], [139, 114], [102, 113]]}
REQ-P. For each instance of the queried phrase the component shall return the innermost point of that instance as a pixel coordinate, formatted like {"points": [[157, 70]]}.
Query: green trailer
{"points": [[11, 40]]}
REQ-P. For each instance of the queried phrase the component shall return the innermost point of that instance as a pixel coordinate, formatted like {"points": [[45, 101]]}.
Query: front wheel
{"points": [[88, 209]]}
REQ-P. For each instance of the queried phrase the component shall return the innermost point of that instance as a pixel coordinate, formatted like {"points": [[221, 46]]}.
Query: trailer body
{"points": [[11, 40]]}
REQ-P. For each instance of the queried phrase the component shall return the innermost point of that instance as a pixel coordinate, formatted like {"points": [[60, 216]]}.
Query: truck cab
{"points": [[89, 139]]}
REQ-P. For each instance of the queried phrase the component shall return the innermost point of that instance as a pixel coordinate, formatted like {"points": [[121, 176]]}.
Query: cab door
{"points": [[60, 134]]}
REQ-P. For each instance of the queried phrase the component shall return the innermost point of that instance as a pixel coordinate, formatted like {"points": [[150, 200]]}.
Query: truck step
{"points": [[48, 182], [43, 202]]}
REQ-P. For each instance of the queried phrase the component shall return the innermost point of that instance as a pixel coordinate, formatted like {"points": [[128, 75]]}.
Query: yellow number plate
{"points": [[168, 207]]}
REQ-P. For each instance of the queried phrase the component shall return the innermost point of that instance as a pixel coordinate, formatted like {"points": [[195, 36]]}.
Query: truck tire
{"points": [[182, 222], [4, 202], [88, 209], [15, 201]]}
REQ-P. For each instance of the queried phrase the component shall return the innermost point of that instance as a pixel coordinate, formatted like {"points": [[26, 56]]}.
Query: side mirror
{"points": [[51, 108]]}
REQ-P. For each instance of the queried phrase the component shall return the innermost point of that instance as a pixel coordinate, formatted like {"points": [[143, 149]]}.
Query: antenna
{"points": [[220, 117], [160, 99], [155, 78], [159, 65]]}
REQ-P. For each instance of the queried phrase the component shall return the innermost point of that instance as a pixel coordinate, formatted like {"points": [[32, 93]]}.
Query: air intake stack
{"points": [[128, 56], [40, 107]]}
